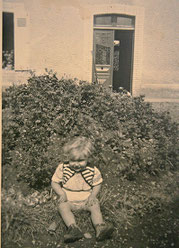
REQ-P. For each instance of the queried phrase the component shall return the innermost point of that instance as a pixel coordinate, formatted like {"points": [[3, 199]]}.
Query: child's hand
{"points": [[63, 198], [92, 200]]}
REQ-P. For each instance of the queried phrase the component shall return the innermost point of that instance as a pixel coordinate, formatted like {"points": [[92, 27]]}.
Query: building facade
{"points": [[119, 43]]}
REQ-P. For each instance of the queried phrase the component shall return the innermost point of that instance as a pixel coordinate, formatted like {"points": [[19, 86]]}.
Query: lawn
{"points": [[144, 212]]}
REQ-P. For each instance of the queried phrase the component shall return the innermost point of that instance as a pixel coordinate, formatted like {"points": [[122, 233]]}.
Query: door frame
{"points": [[113, 29], [135, 11]]}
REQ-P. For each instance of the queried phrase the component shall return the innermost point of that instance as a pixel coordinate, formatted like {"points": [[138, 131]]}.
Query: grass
{"points": [[138, 209]]}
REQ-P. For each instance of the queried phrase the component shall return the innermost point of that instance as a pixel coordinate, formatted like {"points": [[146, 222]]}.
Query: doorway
{"points": [[122, 60], [113, 58]]}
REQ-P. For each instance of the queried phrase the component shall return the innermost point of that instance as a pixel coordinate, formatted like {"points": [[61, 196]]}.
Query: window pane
{"points": [[113, 20], [102, 20], [124, 21], [103, 50], [116, 59]]}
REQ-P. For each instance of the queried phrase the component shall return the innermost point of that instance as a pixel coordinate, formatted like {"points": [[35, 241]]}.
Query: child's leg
{"points": [[66, 214], [73, 233], [96, 215], [103, 230]]}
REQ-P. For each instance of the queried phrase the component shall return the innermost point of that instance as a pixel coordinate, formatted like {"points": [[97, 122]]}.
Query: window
{"points": [[114, 20], [103, 49], [8, 41]]}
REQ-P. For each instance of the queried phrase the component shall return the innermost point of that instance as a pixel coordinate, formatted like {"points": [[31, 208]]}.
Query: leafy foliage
{"points": [[39, 117], [8, 59]]}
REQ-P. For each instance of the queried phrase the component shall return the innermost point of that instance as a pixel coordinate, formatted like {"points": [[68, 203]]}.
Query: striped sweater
{"points": [[87, 174]]}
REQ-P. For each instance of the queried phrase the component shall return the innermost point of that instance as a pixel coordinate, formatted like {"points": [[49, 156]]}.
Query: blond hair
{"points": [[79, 148]]}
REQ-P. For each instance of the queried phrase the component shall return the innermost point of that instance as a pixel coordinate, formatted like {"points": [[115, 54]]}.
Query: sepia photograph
{"points": [[90, 114]]}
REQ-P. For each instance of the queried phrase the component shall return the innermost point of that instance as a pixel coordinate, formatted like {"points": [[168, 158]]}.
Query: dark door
{"points": [[8, 40], [8, 31], [122, 59]]}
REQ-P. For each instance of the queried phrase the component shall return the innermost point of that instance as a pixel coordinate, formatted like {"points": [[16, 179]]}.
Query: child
{"points": [[77, 183]]}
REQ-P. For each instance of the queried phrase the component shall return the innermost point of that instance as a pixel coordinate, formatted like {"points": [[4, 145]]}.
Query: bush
{"points": [[8, 59], [39, 117]]}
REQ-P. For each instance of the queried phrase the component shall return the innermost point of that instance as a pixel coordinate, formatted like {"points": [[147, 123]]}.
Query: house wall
{"points": [[57, 41], [58, 36], [160, 50]]}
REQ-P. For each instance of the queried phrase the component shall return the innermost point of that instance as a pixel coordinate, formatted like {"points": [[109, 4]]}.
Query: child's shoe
{"points": [[103, 231], [73, 234]]}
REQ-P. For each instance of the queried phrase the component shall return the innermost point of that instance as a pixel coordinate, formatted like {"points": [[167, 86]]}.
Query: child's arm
{"points": [[94, 193], [95, 190], [97, 181], [59, 191]]}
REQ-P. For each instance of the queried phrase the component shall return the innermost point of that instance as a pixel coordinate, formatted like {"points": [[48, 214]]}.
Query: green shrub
{"points": [[39, 117]]}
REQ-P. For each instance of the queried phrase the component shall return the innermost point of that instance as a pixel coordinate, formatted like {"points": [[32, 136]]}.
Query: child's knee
{"points": [[94, 204]]}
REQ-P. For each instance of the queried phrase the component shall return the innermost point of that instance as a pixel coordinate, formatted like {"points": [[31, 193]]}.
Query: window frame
{"points": [[114, 24]]}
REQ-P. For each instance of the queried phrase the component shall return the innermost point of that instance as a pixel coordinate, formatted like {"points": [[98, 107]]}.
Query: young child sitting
{"points": [[77, 184]]}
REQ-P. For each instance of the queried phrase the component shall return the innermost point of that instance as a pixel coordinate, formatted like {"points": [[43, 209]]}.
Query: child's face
{"points": [[78, 164]]}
